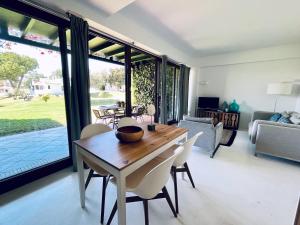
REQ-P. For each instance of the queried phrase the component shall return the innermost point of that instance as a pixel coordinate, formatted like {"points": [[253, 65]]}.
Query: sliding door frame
{"points": [[18, 180]]}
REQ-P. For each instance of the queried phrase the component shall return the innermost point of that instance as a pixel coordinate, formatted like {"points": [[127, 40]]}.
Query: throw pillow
{"points": [[295, 120], [283, 120], [275, 117], [286, 114]]}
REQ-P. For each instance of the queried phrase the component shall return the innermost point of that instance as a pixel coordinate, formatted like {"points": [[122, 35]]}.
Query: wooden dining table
{"points": [[121, 159]]}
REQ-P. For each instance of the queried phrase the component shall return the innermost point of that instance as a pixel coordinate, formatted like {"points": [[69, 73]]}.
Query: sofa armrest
{"points": [[282, 141], [255, 127], [219, 132], [261, 115]]}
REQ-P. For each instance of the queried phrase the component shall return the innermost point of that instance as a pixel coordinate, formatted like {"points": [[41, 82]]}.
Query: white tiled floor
{"points": [[234, 188]]}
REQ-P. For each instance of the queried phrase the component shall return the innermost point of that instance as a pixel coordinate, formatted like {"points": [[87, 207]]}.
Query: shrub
{"points": [[45, 98], [105, 94]]}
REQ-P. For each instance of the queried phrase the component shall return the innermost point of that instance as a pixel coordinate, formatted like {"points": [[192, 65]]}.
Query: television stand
{"points": [[230, 120]]}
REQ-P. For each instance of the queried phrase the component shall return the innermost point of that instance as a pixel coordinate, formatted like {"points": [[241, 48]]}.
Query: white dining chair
{"points": [[96, 170], [148, 181], [180, 164], [127, 121]]}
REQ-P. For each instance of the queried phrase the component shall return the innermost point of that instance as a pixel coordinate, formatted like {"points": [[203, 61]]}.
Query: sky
{"points": [[50, 61]]}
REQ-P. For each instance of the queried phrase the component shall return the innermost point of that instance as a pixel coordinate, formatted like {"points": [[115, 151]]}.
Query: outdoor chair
{"points": [[138, 112], [102, 115], [89, 131], [148, 181]]}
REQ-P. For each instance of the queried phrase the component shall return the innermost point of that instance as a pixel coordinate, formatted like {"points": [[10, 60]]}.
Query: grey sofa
{"points": [[273, 138], [211, 137]]}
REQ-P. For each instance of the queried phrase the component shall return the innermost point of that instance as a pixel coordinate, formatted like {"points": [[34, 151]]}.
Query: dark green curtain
{"points": [[183, 91], [80, 81], [163, 103]]}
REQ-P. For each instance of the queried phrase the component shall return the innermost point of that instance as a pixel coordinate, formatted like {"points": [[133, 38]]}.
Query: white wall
{"points": [[244, 77]]}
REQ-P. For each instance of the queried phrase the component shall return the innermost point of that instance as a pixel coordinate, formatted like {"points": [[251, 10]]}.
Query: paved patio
{"points": [[23, 152]]}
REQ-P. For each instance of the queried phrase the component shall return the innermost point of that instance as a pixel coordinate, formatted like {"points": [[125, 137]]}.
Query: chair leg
{"points": [[165, 191], [189, 174], [113, 212], [146, 211], [175, 188], [89, 178], [103, 199]]}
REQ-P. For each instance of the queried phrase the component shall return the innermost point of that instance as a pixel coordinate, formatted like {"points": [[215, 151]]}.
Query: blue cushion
{"points": [[284, 120], [275, 117]]}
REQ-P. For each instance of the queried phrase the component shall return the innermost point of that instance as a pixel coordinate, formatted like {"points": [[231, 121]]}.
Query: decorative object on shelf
{"points": [[279, 89], [230, 120], [151, 112], [129, 134], [224, 106], [234, 107]]}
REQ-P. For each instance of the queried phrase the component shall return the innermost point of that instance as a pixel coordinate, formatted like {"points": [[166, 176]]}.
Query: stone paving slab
{"points": [[23, 152]]}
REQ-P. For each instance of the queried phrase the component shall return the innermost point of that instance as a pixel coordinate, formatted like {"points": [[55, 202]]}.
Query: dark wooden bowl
{"points": [[129, 134]]}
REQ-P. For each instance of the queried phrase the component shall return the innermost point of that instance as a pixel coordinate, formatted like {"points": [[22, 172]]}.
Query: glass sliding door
{"points": [[172, 80], [107, 80], [33, 128]]}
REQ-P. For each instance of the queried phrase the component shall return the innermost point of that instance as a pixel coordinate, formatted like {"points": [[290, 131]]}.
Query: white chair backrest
{"points": [[94, 129], [182, 157], [127, 121], [156, 179]]}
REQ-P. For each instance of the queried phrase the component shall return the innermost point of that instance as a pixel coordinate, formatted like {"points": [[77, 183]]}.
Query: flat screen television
{"points": [[208, 102]]}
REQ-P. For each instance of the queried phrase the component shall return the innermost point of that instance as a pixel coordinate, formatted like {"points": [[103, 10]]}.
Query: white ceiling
{"points": [[218, 26], [197, 27]]}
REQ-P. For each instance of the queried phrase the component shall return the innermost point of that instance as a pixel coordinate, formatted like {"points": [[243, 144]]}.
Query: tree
{"points": [[13, 67], [56, 74]]}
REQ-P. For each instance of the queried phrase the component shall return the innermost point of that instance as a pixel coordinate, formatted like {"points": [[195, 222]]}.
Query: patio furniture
{"points": [[147, 182], [102, 115], [87, 132], [122, 159], [116, 113], [180, 165], [138, 112], [127, 121]]}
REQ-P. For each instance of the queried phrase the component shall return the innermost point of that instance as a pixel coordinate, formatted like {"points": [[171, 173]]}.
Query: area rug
{"points": [[228, 137]]}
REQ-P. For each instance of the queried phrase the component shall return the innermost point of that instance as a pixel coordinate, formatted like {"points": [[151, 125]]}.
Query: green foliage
{"points": [[143, 84], [13, 67], [115, 77], [45, 98], [57, 74], [104, 94]]}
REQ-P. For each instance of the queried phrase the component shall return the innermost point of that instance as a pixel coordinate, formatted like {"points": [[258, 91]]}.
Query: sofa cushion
{"points": [[275, 117], [198, 119], [295, 120], [284, 119]]}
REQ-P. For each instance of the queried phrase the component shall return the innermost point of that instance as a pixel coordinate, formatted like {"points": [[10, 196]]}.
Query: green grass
{"points": [[18, 116]]}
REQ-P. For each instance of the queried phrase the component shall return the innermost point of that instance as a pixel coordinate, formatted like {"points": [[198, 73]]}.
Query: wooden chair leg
{"points": [[165, 191], [89, 178], [146, 211], [189, 174], [113, 212], [103, 199], [175, 188]]}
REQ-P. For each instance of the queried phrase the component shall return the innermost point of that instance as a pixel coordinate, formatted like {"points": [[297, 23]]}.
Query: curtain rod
{"points": [[65, 15]]}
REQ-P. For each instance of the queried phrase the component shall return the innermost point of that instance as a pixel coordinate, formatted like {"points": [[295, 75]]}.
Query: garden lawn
{"points": [[18, 116]]}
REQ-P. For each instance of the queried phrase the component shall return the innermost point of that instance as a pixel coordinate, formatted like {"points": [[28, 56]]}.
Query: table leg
{"points": [[121, 200], [80, 178]]}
